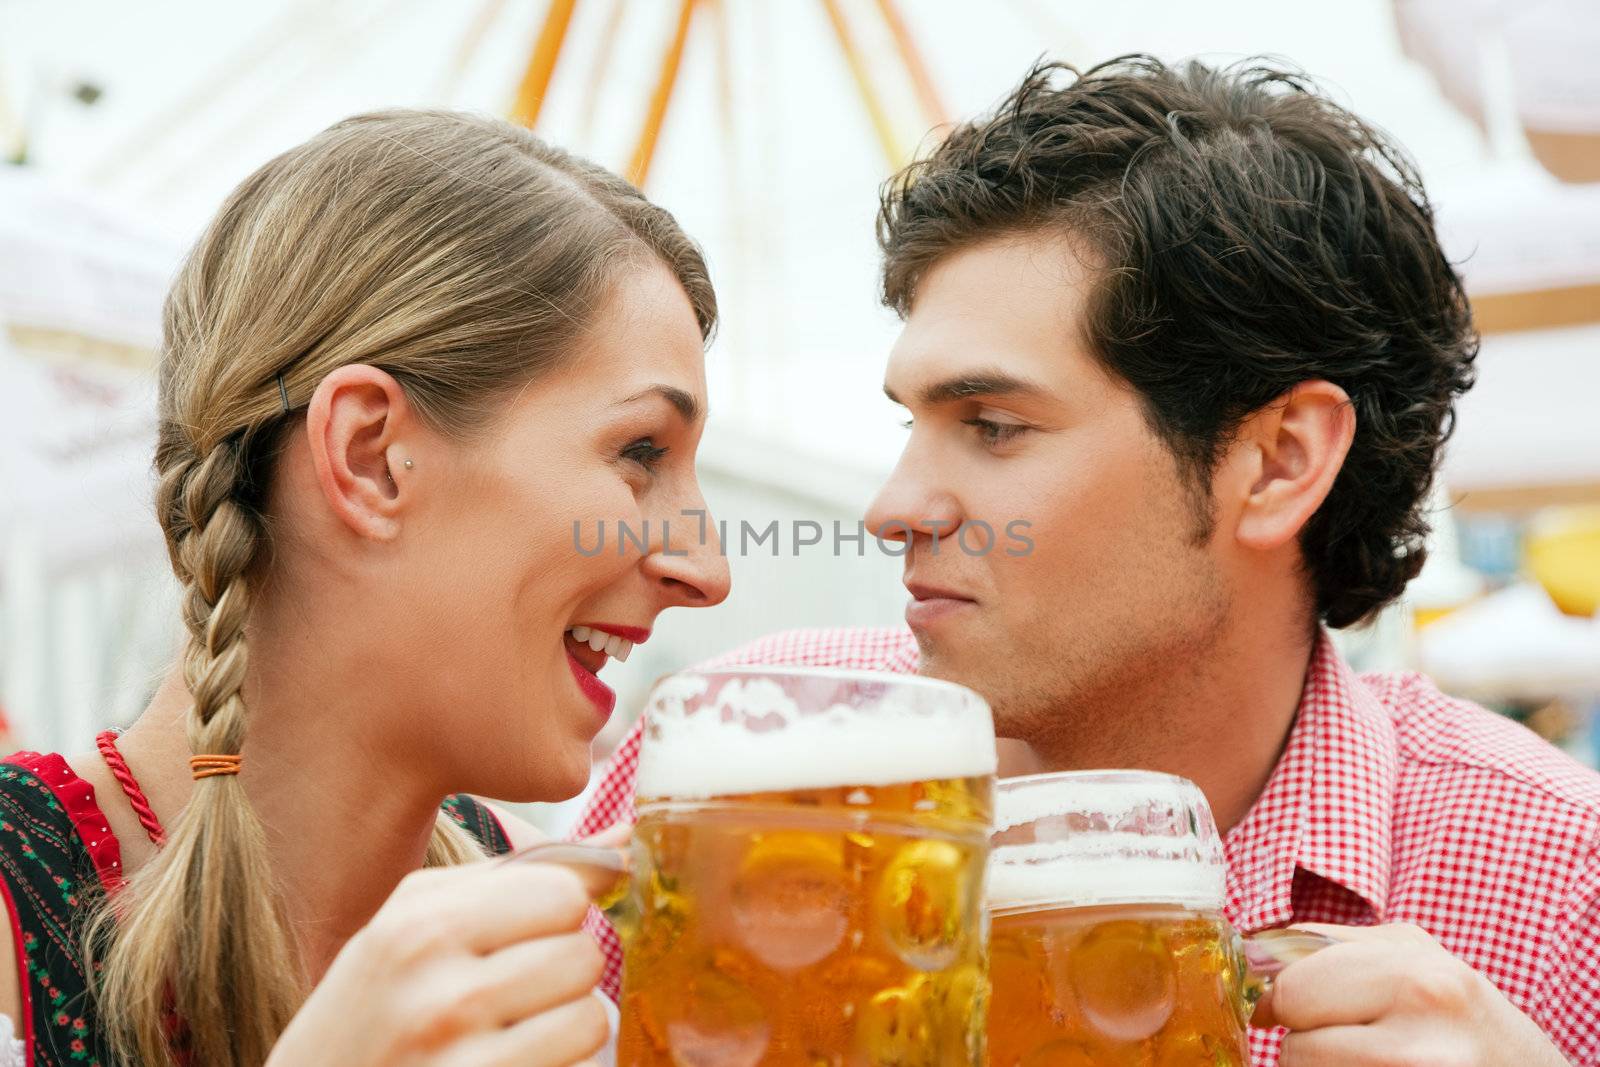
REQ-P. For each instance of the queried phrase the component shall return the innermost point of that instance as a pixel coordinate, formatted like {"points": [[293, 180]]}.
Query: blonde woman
{"points": [[407, 360]]}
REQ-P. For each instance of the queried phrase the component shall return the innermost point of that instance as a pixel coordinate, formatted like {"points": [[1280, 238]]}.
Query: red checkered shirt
{"points": [[1391, 803]]}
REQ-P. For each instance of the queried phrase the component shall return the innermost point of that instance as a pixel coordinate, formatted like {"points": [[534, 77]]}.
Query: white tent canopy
{"points": [[767, 156], [80, 556]]}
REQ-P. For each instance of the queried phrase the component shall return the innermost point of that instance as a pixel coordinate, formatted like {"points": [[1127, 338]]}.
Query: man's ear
{"points": [[1284, 459], [356, 425]]}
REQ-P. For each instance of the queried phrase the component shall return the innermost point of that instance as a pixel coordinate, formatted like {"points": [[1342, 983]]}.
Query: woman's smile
{"points": [[588, 649]]}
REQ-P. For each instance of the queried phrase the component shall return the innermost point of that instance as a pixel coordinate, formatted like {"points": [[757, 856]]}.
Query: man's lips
{"points": [[923, 591], [930, 603]]}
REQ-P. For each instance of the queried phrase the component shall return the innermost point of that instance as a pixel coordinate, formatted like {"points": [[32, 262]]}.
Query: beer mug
{"points": [[1107, 944], [805, 881]]}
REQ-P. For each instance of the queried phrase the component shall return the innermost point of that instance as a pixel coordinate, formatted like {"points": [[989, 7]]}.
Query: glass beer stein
{"points": [[805, 881], [1108, 946]]}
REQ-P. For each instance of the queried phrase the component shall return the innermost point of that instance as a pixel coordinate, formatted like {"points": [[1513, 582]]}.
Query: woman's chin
{"points": [[573, 782], [549, 782]]}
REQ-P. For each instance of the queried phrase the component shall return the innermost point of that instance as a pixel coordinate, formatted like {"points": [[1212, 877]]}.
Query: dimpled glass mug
{"points": [[805, 883], [1108, 946]]}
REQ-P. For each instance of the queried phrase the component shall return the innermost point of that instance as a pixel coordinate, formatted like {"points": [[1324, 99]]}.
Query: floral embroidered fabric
{"points": [[57, 855]]}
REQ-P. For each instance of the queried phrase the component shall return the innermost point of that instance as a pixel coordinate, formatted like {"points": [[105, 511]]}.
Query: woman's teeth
{"points": [[615, 647]]}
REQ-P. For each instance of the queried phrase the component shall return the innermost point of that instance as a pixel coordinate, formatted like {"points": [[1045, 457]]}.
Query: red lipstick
{"points": [[599, 694]]}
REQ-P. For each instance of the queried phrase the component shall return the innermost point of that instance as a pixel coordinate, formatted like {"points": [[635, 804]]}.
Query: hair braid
{"points": [[210, 891]]}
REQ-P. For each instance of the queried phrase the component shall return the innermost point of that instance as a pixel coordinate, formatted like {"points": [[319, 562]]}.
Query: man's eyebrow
{"points": [[988, 382], [685, 403]]}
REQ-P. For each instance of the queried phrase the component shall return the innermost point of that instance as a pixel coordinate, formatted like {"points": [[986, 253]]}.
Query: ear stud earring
{"points": [[409, 464]]}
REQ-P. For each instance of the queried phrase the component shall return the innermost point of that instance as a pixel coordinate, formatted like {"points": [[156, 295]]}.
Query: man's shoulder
{"points": [[1461, 763], [886, 648]]}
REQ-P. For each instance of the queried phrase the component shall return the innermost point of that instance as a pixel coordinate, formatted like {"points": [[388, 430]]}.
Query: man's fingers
{"points": [[1336, 1046], [1344, 984], [1375, 972], [1372, 1046], [1389, 933]]}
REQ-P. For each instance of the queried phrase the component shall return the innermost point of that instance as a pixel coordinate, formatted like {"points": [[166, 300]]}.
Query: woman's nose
{"points": [[689, 564]]}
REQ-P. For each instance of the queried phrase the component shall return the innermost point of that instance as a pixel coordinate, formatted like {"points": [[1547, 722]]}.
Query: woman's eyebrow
{"points": [[685, 403]]}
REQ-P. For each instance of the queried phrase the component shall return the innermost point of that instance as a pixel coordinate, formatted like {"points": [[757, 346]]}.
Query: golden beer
{"points": [[1108, 945], [834, 919], [1124, 985]]}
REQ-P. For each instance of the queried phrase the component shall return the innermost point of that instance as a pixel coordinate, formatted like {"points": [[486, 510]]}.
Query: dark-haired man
{"points": [[1196, 328]]}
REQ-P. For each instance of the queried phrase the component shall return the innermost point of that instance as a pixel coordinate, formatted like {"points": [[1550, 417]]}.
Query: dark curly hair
{"points": [[1255, 235]]}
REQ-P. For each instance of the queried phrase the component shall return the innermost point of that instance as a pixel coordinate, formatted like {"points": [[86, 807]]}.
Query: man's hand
{"points": [[1392, 996]]}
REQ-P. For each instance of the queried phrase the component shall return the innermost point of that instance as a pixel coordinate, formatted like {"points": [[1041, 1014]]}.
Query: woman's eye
{"points": [[906, 425], [645, 453], [996, 433]]}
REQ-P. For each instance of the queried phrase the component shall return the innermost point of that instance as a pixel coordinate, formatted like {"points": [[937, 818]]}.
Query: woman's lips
{"points": [[637, 634], [599, 694], [584, 662]]}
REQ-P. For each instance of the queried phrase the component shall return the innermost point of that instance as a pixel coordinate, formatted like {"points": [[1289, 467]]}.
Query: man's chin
{"points": [[983, 674], [962, 670]]}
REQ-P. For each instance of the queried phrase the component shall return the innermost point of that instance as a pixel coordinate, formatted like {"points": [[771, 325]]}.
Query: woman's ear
{"points": [[357, 426]]}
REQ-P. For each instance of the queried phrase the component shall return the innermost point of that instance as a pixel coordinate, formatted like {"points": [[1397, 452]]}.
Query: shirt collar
{"points": [[1328, 806], [905, 656]]}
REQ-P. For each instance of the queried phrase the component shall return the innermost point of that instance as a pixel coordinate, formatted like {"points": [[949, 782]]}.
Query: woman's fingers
{"points": [[600, 867], [480, 908], [523, 980], [477, 965], [566, 1034], [614, 836]]}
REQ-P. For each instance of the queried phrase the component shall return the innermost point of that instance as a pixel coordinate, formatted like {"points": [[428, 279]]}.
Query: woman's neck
{"points": [[342, 829]]}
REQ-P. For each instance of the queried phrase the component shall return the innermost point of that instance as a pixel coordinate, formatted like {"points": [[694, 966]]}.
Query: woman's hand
{"points": [[470, 966]]}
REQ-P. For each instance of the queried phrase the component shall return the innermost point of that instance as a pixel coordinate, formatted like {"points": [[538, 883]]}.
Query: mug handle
{"points": [[1267, 953], [606, 872]]}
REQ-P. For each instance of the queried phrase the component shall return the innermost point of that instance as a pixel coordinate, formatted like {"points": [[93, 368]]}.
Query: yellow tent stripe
{"points": [[542, 64], [927, 92], [645, 149], [881, 124]]}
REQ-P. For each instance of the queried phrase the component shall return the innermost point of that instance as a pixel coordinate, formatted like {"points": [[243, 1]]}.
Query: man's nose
{"points": [[912, 503]]}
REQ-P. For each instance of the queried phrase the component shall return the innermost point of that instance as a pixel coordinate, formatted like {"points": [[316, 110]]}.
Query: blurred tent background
{"points": [[766, 126]]}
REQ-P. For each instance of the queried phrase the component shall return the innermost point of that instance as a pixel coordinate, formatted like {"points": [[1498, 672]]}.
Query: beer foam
{"points": [[753, 737], [1024, 877], [1104, 837], [1113, 796]]}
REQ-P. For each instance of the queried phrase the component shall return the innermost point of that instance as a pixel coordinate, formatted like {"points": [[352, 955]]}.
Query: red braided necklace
{"points": [[107, 743]]}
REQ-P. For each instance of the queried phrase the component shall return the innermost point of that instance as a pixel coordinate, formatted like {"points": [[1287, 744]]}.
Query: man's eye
{"points": [[996, 433], [645, 453]]}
